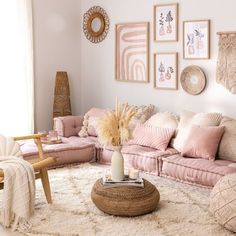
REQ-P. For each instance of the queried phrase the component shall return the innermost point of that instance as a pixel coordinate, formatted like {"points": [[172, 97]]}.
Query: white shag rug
{"points": [[183, 209]]}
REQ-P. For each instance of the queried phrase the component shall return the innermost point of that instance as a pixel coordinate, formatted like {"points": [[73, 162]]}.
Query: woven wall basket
{"points": [[193, 80]]}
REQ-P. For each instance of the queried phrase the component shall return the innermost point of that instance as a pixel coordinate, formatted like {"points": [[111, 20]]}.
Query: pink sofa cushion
{"points": [[203, 142], [139, 157], [67, 126], [150, 136], [71, 150], [143, 151], [196, 170]]}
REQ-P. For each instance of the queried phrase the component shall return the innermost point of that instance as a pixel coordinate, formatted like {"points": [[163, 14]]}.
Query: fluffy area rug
{"points": [[183, 209]]}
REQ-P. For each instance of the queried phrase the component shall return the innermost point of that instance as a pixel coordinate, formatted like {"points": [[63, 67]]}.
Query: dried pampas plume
{"points": [[113, 127]]}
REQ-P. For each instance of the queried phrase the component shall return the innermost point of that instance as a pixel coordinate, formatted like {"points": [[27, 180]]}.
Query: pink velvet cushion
{"points": [[203, 142], [150, 136]]}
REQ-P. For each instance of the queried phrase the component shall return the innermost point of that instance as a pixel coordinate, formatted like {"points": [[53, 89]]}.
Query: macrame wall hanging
{"points": [[62, 105], [226, 63]]}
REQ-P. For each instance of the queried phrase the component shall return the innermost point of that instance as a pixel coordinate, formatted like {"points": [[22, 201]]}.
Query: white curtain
{"points": [[16, 68]]}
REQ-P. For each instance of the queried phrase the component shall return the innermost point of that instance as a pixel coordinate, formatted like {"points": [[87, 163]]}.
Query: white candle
{"points": [[133, 173]]}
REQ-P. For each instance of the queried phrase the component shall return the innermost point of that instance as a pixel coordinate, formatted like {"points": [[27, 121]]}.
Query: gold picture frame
{"points": [[166, 70], [196, 39], [131, 56], [163, 31]]}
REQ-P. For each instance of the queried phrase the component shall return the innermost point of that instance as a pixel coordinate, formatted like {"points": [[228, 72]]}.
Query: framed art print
{"points": [[166, 71], [132, 52], [166, 22], [196, 43]]}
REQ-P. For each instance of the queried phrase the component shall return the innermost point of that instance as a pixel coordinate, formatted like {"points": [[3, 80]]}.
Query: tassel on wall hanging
{"points": [[226, 63], [62, 105]]}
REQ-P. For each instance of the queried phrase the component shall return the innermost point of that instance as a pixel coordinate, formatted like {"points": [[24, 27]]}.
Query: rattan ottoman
{"points": [[125, 200]]}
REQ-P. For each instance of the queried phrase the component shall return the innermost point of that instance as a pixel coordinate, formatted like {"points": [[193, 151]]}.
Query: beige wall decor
{"points": [[132, 52], [193, 80], [196, 39], [62, 105], [226, 63], [166, 22], [166, 71], [96, 24]]}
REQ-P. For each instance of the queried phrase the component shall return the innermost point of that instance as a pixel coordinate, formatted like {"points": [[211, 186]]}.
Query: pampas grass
{"points": [[113, 128]]}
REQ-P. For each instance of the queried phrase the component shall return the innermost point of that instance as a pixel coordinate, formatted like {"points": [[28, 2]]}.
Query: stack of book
{"points": [[109, 183]]}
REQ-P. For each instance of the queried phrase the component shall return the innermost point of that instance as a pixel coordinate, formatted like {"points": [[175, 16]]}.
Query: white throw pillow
{"points": [[163, 120], [227, 149], [187, 119]]}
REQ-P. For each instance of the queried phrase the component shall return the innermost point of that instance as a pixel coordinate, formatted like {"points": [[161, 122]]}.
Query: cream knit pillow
{"points": [[88, 128], [227, 149], [143, 113], [187, 119]]}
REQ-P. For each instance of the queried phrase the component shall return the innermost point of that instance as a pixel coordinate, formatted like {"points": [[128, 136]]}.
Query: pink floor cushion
{"points": [[69, 152], [195, 170], [139, 157]]}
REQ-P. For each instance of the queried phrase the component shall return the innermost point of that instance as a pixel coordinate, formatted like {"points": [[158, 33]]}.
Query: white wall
{"points": [[57, 37], [99, 87]]}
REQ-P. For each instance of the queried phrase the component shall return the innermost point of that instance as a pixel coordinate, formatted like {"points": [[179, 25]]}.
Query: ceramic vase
{"points": [[117, 164]]}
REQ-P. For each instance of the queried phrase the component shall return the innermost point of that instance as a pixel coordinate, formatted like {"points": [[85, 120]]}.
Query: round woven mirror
{"points": [[96, 24]]}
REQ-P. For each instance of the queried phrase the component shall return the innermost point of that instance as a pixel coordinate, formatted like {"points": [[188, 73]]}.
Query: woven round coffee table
{"points": [[125, 200]]}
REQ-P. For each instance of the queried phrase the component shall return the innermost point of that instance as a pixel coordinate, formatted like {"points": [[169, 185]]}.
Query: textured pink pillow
{"points": [[150, 136], [203, 142]]}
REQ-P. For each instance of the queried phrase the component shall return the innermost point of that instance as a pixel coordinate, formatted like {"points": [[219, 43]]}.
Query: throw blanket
{"points": [[19, 189]]}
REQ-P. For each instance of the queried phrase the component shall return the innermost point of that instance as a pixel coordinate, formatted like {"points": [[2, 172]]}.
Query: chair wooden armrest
{"points": [[40, 164]]}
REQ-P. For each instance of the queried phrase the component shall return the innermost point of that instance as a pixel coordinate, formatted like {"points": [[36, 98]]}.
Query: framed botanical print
{"points": [[132, 52], [166, 71], [166, 22], [196, 43]]}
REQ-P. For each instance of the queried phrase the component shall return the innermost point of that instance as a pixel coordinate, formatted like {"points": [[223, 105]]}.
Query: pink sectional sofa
{"points": [[139, 157], [72, 150], [171, 164], [195, 170], [168, 163]]}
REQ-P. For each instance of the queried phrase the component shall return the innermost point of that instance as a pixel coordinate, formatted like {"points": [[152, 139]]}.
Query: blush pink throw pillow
{"points": [[150, 136], [203, 142]]}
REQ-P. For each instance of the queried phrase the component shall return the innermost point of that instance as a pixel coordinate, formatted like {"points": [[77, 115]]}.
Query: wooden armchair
{"points": [[40, 165]]}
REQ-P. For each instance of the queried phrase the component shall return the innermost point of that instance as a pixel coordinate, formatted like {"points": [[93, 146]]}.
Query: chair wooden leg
{"points": [[46, 184]]}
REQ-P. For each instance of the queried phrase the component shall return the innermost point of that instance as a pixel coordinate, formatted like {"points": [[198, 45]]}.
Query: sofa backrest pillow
{"points": [[227, 149], [67, 126], [163, 120], [203, 142], [143, 113], [150, 136], [90, 120], [91, 117], [187, 119]]}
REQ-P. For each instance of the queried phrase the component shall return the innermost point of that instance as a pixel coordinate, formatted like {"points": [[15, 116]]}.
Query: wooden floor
{"points": [[4, 232]]}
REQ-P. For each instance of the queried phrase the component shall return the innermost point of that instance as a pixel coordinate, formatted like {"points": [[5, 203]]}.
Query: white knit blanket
{"points": [[18, 192]]}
